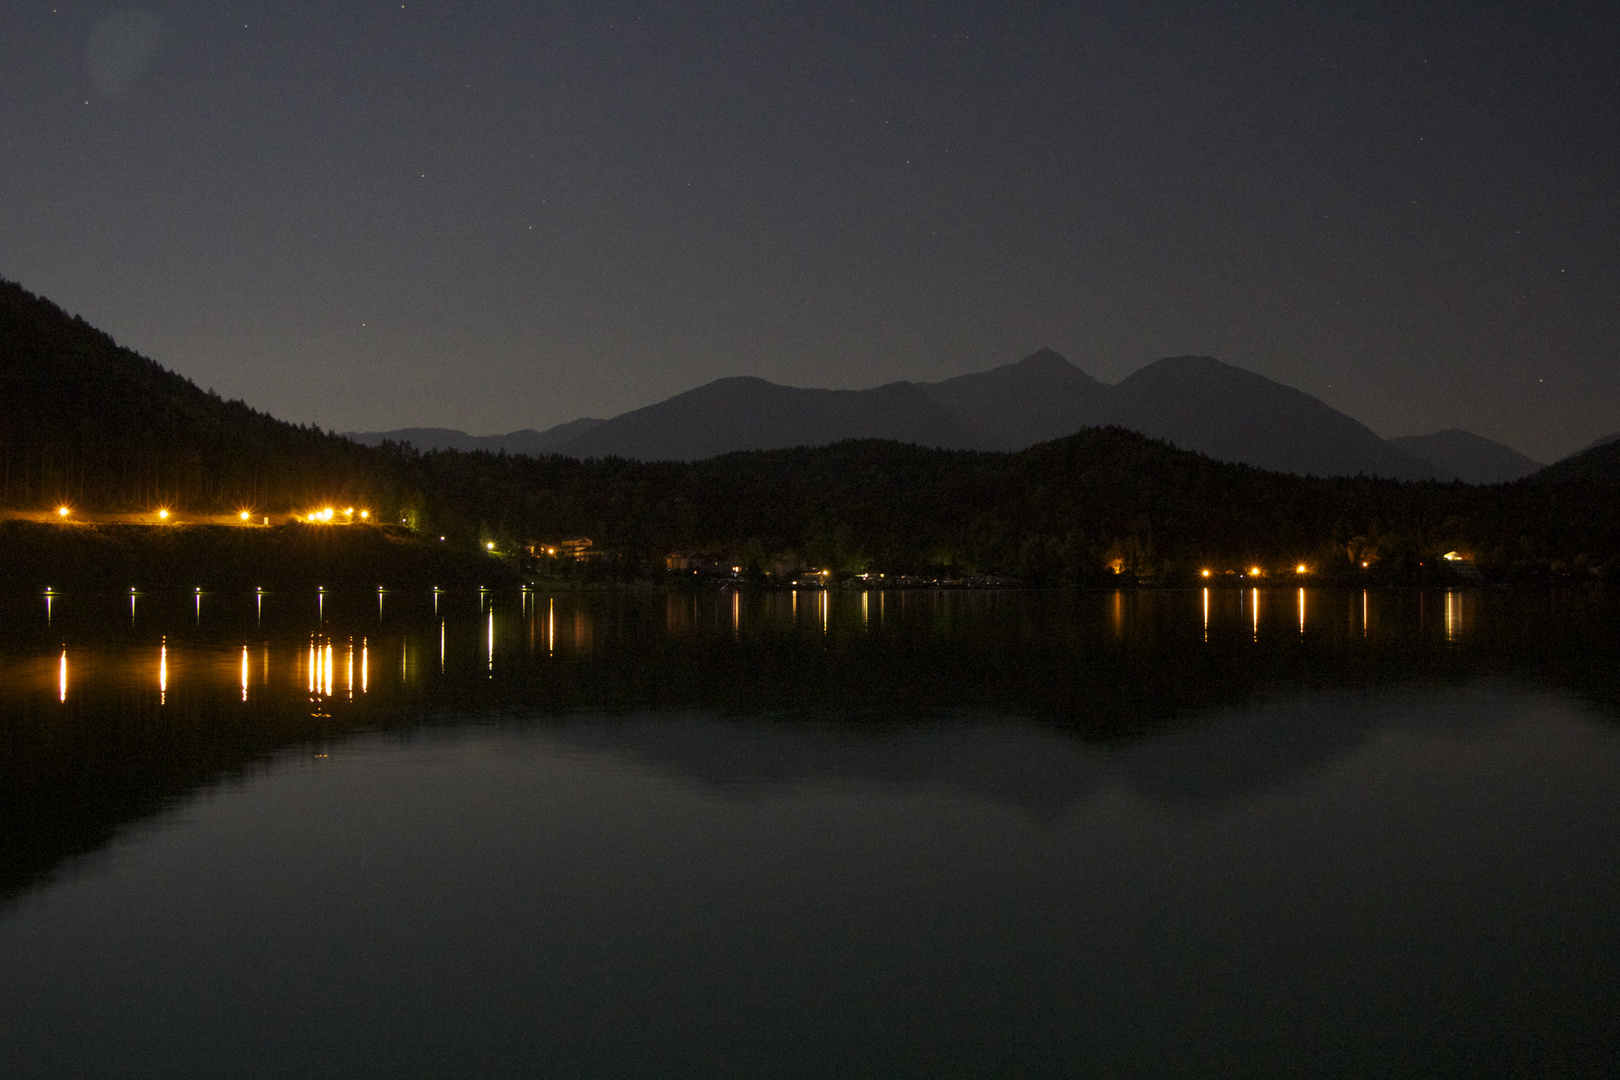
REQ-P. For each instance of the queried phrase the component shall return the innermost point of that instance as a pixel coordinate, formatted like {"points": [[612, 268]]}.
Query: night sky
{"points": [[501, 215]]}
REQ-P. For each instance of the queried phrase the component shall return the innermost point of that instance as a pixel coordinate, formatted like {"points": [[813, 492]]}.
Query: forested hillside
{"points": [[84, 420], [1104, 504]]}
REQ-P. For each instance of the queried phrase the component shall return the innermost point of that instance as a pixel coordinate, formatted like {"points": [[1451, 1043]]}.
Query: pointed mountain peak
{"points": [[1045, 358]]}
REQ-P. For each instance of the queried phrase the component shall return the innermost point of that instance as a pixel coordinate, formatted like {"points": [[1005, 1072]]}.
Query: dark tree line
{"points": [[1102, 504], [86, 421]]}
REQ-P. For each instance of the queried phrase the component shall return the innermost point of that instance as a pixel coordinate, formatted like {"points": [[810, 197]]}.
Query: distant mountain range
{"points": [[528, 441], [1598, 463], [89, 428], [1605, 441], [1467, 456], [1194, 402]]}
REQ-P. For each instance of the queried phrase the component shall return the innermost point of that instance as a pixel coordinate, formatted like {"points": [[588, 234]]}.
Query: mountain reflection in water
{"points": [[1352, 732]]}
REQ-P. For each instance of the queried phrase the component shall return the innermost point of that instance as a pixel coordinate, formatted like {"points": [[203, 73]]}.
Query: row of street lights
{"points": [[1259, 571], [325, 516]]}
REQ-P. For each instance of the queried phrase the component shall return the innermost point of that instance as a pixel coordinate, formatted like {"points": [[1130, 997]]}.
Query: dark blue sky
{"points": [[503, 215]]}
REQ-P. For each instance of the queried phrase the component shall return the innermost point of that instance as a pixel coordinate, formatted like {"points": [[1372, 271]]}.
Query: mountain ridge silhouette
{"points": [[1196, 403], [1469, 457]]}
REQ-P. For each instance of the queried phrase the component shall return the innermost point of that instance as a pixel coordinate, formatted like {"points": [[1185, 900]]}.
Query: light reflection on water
{"points": [[1223, 831], [522, 623]]}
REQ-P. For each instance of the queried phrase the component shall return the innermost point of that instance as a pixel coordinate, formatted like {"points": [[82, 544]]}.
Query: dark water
{"points": [[1166, 834]]}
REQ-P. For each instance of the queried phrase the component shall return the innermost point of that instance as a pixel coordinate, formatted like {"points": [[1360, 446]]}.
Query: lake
{"points": [[1273, 832]]}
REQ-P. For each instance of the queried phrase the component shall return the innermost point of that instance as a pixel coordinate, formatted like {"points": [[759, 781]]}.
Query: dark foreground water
{"points": [[1258, 834]]}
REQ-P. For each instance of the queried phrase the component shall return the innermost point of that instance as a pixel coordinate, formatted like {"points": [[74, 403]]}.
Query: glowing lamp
{"points": [[364, 514], [1254, 571], [1300, 569], [61, 511], [1206, 573], [490, 545], [243, 515], [163, 515]]}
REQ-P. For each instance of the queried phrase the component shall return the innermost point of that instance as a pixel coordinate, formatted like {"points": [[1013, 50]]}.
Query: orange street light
{"points": [[1300, 569], [1206, 573], [243, 515], [163, 515], [364, 514]]}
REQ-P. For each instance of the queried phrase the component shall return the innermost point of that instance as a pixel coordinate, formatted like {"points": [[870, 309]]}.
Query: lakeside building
{"points": [[578, 548]]}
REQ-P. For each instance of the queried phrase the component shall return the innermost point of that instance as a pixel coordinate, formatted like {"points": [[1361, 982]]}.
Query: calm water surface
{"points": [[824, 834]]}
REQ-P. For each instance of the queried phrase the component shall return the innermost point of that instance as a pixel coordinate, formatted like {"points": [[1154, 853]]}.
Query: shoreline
{"points": [[117, 557]]}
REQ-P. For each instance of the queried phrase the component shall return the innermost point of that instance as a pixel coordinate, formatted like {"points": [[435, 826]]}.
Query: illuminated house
{"points": [[579, 548]]}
